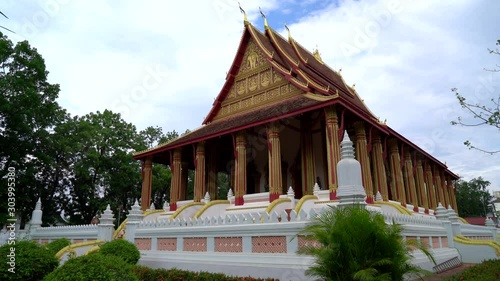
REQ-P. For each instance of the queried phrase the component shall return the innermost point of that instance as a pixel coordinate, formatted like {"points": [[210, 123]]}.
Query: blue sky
{"points": [[403, 56]]}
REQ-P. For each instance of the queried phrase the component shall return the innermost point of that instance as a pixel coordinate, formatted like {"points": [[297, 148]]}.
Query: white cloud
{"points": [[404, 57]]}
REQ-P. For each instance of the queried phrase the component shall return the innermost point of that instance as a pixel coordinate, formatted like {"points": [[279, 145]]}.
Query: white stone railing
{"points": [[72, 232], [476, 231], [412, 220]]}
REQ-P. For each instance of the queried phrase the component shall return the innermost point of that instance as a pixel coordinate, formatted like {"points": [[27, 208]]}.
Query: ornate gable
{"points": [[256, 83]]}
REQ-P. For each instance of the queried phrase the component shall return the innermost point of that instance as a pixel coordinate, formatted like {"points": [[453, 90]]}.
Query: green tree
{"points": [[102, 170], [358, 245], [28, 114], [473, 197], [482, 114]]}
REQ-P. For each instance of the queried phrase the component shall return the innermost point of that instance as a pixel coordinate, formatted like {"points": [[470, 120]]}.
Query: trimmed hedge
{"points": [[122, 249], [56, 245], [149, 274], [95, 267], [32, 261], [486, 271]]}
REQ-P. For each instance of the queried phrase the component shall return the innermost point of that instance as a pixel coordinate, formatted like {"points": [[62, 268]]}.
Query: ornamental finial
{"points": [[317, 55], [289, 34], [266, 26], [245, 19]]}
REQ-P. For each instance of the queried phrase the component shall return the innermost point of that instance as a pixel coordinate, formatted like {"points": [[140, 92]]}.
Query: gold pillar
{"points": [[420, 184], [199, 176], [431, 189], [274, 158], [240, 170], [175, 187], [445, 190], [147, 180], [364, 160], [379, 176], [332, 149], [397, 174], [212, 173], [438, 187], [410, 181], [451, 189], [307, 165]]}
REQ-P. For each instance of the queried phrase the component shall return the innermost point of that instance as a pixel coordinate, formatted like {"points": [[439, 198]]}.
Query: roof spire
{"points": [[266, 26], [289, 34], [245, 19], [317, 55]]}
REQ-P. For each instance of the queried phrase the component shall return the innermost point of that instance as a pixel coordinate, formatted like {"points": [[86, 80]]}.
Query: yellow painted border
{"points": [[247, 208], [178, 211], [303, 200], [398, 207], [208, 205], [464, 240], [71, 247], [463, 220], [120, 227], [93, 249], [271, 206]]}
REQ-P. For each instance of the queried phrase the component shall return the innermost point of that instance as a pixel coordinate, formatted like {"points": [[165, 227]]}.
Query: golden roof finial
{"points": [[317, 55], [353, 85], [266, 26], [245, 19], [289, 34], [385, 121]]}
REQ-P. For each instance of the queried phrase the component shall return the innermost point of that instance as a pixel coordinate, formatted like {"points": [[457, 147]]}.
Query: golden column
{"points": [[379, 176], [420, 184], [453, 199], [332, 149], [397, 173], [175, 187], [410, 181], [240, 169], [444, 186], [212, 173], [199, 176], [431, 190], [438, 187], [307, 160], [274, 158], [364, 160], [147, 180]]}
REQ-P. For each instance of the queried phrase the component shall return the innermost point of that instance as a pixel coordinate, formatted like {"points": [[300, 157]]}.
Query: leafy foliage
{"points": [[483, 114], [94, 267], [486, 271], [56, 245], [32, 262], [358, 245], [122, 249], [148, 274], [473, 198], [28, 113]]}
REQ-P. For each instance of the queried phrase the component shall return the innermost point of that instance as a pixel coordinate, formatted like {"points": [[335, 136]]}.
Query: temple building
{"points": [[276, 123]]}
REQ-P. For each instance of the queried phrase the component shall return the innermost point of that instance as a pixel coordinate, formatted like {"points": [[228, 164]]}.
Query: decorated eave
{"points": [[303, 69]]}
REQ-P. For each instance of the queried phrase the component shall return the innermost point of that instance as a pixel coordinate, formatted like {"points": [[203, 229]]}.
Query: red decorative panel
{"points": [[444, 242], [229, 244], [167, 244], [304, 242], [435, 242], [143, 244], [269, 244], [44, 241], [195, 244], [425, 241], [77, 241]]}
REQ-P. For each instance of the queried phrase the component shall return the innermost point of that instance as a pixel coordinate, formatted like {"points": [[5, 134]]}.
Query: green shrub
{"points": [[32, 261], [488, 270], [122, 249], [56, 245], [149, 274], [93, 267], [358, 245]]}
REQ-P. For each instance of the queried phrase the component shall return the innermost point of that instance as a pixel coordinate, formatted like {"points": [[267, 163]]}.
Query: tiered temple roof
{"points": [[319, 86]]}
